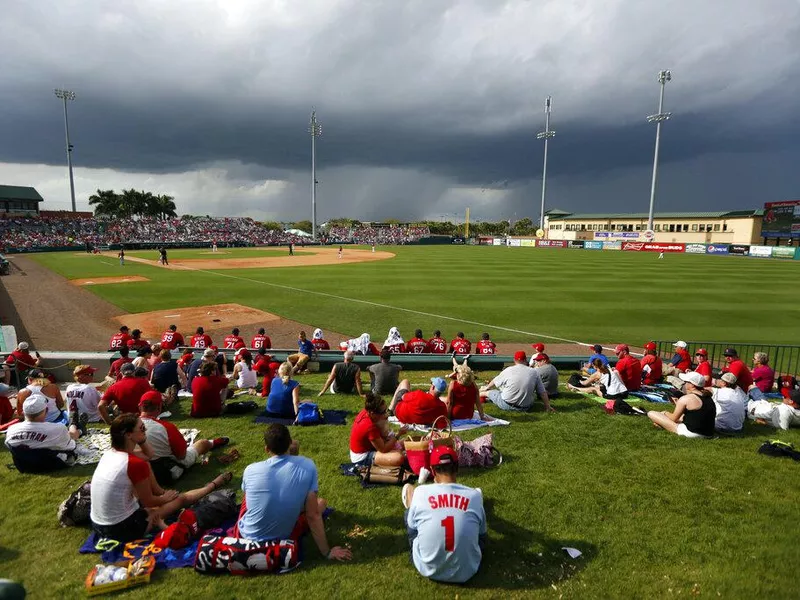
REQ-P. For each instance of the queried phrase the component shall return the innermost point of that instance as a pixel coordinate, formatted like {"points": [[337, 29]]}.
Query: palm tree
{"points": [[107, 203], [166, 206]]}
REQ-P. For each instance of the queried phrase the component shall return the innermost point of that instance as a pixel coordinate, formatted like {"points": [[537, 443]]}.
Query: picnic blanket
{"points": [[600, 400], [459, 424], [91, 446], [332, 417]]}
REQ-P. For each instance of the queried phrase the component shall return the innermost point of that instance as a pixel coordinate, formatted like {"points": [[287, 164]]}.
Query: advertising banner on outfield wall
{"points": [[740, 249], [762, 251], [551, 243], [695, 248], [575, 244], [619, 235], [717, 249], [612, 245], [590, 245], [498, 242], [652, 247], [514, 242], [784, 251], [527, 243]]}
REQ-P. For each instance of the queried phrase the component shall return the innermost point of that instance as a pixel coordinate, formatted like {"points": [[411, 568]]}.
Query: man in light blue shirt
{"points": [[446, 522], [280, 497]]}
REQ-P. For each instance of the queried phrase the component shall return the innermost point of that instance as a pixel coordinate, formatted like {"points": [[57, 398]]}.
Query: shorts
{"points": [[412, 535], [683, 431], [362, 458], [132, 528], [190, 458], [496, 398]]}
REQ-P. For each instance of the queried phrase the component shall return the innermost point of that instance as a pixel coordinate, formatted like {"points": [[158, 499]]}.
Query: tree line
{"points": [[132, 203]]}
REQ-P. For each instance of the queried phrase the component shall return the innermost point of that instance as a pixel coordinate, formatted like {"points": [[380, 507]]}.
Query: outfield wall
{"points": [[783, 252]]}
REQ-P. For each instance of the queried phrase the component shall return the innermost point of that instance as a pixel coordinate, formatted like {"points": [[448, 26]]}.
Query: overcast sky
{"points": [[427, 106]]}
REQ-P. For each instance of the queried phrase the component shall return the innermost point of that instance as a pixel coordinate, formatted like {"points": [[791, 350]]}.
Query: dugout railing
{"points": [[784, 359]]}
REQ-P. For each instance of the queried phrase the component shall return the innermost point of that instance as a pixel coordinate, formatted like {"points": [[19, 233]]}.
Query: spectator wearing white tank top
{"points": [[243, 371]]}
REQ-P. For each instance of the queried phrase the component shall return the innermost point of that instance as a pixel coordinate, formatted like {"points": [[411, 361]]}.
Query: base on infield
{"points": [[102, 280]]}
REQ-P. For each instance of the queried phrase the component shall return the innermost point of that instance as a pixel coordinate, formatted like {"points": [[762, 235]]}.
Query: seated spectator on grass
{"points": [[371, 440], [485, 346], [154, 358], [460, 345], [21, 360], [83, 397], [284, 394], [267, 368], [628, 367], [114, 371], [37, 446], [38, 383], [167, 377], [418, 344], [172, 455], [142, 359], [517, 387], [244, 372], [300, 359], [731, 402], [363, 346], [538, 347], [384, 377], [419, 407], [780, 415], [281, 497], [463, 396], [320, 343], [6, 410], [394, 342], [597, 354], [437, 343], [209, 356], [652, 365], [185, 360], [209, 392], [453, 555], [735, 365], [547, 371], [124, 395], [604, 382], [763, 377], [680, 361], [703, 366], [126, 499], [345, 377], [694, 413]]}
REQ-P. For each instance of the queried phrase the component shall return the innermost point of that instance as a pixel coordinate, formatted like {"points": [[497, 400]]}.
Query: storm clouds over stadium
{"points": [[427, 106]]}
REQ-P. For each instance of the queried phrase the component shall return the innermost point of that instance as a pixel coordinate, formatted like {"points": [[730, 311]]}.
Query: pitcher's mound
{"points": [[102, 280]]}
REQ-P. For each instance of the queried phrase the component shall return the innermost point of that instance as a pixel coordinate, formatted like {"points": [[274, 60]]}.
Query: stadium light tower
{"points": [[545, 135], [315, 129], [68, 95], [658, 119]]}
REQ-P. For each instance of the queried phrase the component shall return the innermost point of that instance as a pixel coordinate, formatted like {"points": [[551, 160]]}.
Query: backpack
{"points": [[219, 554], [575, 379], [778, 448], [75, 509], [215, 509], [309, 413]]}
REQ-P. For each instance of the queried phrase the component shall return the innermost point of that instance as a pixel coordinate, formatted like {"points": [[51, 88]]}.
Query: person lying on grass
{"points": [[694, 413], [604, 382], [281, 497], [371, 441], [780, 415], [419, 407], [127, 501]]}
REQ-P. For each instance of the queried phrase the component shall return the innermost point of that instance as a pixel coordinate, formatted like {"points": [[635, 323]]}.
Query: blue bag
{"points": [[309, 413]]}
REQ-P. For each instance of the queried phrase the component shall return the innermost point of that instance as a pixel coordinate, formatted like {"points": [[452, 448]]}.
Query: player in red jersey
{"points": [[417, 344], [137, 342], [320, 343], [394, 342], [200, 339], [437, 343], [460, 345], [485, 346], [119, 340], [233, 341], [171, 339], [261, 340]]}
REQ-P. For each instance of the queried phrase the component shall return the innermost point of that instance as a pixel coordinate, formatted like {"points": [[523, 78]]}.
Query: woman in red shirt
{"points": [[463, 396], [370, 438]]}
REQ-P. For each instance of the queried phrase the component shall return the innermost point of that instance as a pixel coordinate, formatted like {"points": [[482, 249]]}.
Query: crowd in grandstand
{"points": [[80, 231]]}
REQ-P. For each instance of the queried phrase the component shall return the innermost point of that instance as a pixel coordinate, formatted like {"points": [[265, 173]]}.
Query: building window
{"points": [[708, 227], [685, 227], [694, 227], [725, 227], [716, 227], [656, 227]]}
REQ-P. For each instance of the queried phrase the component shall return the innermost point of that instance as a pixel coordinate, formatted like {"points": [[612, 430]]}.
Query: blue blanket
{"points": [[114, 552], [332, 417]]}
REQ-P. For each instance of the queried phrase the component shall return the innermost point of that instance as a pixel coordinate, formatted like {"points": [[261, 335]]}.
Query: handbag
{"points": [[219, 554], [388, 475], [480, 452]]}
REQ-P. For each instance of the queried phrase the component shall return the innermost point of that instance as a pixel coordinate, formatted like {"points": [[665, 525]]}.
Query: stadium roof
{"points": [[16, 192], [561, 216]]}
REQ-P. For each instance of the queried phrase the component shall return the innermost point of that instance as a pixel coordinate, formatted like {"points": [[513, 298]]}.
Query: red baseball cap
{"points": [[538, 346], [702, 351], [214, 348], [151, 396], [520, 355], [650, 346], [541, 356], [443, 455], [621, 348]]}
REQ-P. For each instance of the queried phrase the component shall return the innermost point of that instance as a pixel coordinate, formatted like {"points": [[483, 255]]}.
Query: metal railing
{"points": [[784, 360]]}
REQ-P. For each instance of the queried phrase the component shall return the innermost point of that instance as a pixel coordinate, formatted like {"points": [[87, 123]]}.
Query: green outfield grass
{"points": [[222, 254]]}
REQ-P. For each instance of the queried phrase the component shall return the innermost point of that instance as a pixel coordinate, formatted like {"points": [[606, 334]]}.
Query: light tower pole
{"points": [[658, 118], [315, 129], [68, 95], [545, 135]]}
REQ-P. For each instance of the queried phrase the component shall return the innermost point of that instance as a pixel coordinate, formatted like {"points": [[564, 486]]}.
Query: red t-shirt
{"points": [[126, 393], [117, 365], [460, 346], [171, 339], [6, 411], [201, 341], [438, 345], [135, 344], [704, 368], [206, 401], [269, 369], [118, 340], [686, 361], [396, 348], [261, 341], [363, 432], [656, 369], [321, 344], [232, 342], [485, 347], [744, 378], [22, 358], [463, 401], [630, 371], [419, 408], [418, 346]]}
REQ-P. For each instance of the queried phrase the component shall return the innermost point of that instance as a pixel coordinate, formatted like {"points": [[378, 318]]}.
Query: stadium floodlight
{"points": [[658, 119], [315, 129], [545, 135], [68, 95]]}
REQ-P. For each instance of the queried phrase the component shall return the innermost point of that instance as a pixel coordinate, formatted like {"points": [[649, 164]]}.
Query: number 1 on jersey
{"points": [[449, 524]]}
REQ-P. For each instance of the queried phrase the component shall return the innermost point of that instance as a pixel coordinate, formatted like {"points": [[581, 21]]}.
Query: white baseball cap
{"points": [[22, 346], [680, 344], [693, 377], [34, 404]]}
